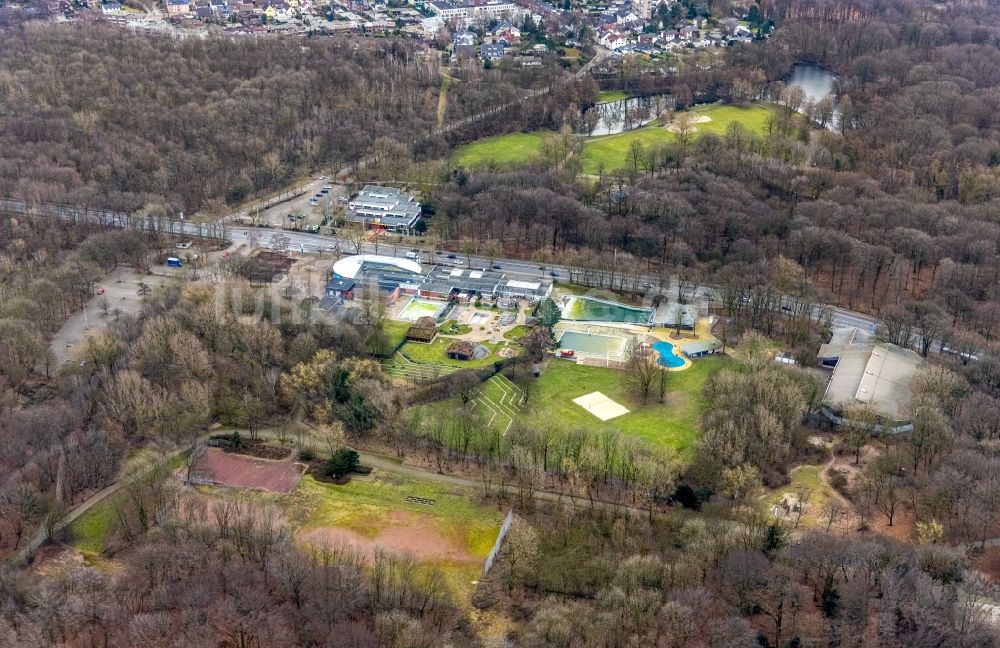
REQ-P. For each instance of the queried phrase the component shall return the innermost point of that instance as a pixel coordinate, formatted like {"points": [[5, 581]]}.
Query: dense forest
{"points": [[98, 116]]}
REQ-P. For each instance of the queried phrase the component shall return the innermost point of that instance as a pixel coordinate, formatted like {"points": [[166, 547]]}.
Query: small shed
{"points": [[422, 330], [461, 350], [702, 347]]}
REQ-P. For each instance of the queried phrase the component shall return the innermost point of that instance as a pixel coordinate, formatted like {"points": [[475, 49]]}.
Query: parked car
{"points": [[313, 202], [452, 256], [553, 273], [459, 262], [325, 191], [321, 178], [327, 187], [496, 266], [183, 245]]}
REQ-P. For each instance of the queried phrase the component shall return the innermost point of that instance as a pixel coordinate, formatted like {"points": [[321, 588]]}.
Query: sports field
{"points": [[514, 148]]}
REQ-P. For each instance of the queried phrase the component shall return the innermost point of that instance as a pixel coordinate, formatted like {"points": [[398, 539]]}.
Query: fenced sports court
{"points": [[417, 308]]}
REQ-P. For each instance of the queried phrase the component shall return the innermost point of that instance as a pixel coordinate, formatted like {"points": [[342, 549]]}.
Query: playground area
{"points": [[227, 469]]}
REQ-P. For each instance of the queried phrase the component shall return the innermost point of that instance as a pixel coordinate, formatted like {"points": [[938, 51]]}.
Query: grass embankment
{"points": [[513, 148], [89, 533], [610, 152], [395, 332], [608, 96]]}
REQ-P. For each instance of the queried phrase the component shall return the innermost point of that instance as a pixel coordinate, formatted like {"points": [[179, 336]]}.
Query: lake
{"points": [[814, 81]]}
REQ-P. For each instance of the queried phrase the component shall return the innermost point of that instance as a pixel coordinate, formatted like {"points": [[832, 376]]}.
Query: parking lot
{"points": [[310, 204], [116, 294]]}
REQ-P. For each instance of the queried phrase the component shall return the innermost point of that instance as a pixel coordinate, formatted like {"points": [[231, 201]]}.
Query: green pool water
{"points": [[599, 310], [611, 346]]}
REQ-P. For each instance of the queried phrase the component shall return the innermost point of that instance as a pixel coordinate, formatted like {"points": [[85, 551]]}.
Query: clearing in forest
{"points": [[436, 523]]}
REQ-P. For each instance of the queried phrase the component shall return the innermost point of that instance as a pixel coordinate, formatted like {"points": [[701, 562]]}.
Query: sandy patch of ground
{"points": [[405, 533], [229, 469], [674, 127], [601, 406]]}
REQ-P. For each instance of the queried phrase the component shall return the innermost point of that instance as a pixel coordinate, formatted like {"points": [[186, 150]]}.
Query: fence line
{"points": [[504, 528]]}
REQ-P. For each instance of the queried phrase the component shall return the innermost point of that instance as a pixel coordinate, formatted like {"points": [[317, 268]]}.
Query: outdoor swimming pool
{"points": [[606, 346], [600, 310], [668, 358], [418, 308]]}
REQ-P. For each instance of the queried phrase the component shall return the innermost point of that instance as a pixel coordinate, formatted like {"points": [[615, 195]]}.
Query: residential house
{"points": [[492, 52], [464, 38], [613, 40], [178, 8]]}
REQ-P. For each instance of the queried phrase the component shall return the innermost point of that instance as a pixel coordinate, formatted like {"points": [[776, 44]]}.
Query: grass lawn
{"points": [[435, 353], [607, 96], [451, 327], [517, 332], [89, 532], [370, 506], [611, 151], [674, 424], [513, 148], [808, 478]]}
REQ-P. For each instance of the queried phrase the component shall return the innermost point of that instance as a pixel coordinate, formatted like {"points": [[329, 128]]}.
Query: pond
{"points": [[625, 114], [817, 84]]}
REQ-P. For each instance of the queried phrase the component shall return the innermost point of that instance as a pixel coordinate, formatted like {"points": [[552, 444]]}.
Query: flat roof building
{"points": [[868, 371], [388, 207], [437, 281]]}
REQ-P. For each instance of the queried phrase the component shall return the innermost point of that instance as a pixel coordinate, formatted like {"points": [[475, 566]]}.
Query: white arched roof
{"points": [[348, 267]]}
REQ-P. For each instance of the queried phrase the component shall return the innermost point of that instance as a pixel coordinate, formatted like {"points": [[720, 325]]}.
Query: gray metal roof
{"points": [[876, 373]]}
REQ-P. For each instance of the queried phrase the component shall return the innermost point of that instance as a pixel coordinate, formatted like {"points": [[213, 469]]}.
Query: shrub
{"points": [[342, 462]]}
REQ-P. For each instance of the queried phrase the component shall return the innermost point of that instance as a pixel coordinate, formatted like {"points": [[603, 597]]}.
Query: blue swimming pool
{"points": [[667, 356]]}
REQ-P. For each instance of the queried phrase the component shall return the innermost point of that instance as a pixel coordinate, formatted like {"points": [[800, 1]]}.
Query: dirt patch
{"points": [[261, 451], [227, 469], [988, 562], [404, 533]]}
